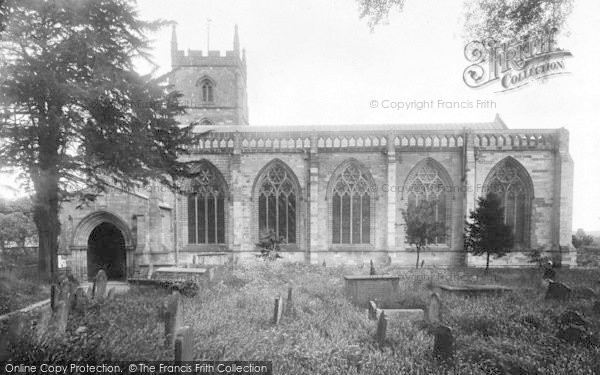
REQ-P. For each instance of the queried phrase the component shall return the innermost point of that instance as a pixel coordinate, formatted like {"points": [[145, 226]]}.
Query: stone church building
{"points": [[335, 194]]}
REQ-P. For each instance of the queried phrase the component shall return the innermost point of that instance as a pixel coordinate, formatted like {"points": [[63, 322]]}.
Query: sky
{"points": [[314, 62]]}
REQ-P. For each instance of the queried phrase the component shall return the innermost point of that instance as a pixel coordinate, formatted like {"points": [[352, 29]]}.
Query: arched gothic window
{"points": [[206, 207], [351, 207], [206, 90], [277, 202], [425, 184], [511, 183]]}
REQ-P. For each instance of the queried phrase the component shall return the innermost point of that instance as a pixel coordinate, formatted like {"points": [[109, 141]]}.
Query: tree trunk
{"points": [[45, 216], [418, 255], [487, 262]]}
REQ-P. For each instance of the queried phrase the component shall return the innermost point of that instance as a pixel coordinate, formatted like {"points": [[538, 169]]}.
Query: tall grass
{"points": [[325, 334]]}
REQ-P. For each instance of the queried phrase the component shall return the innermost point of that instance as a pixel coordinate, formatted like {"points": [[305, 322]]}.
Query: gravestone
{"points": [[434, 309], [360, 289], [60, 318], [558, 291], [150, 271], [289, 306], [184, 345], [100, 282], [278, 310], [443, 343], [381, 328], [79, 300], [111, 293], [372, 310], [173, 317], [596, 307], [372, 270]]}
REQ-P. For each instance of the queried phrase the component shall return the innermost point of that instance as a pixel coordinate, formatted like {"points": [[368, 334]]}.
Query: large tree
{"points": [[74, 114], [502, 20], [486, 233], [421, 226]]}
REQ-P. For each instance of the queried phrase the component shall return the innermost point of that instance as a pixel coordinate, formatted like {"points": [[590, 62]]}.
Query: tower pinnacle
{"points": [[236, 40]]}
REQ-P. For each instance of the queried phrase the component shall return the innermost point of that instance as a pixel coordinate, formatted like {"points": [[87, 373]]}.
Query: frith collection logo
{"points": [[513, 65]]}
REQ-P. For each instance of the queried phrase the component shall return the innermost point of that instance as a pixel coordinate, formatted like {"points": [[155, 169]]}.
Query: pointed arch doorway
{"points": [[103, 240]]}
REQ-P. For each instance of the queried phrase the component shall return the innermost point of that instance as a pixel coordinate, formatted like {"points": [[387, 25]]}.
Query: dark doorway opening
{"points": [[106, 250]]}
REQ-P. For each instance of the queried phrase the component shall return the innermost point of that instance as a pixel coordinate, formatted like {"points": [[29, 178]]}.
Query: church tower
{"points": [[213, 85]]}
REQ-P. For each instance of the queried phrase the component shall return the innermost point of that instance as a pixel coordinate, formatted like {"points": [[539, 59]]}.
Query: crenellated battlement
{"points": [[191, 57], [201, 58]]}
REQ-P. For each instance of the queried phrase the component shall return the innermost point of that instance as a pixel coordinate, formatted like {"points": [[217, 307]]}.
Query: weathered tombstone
{"points": [[184, 345], [372, 310], [289, 306], [60, 317], [278, 310], [434, 309], [381, 328], [443, 343], [173, 316], [79, 300], [111, 293], [194, 260], [372, 270], [100, 282], [150, 271], [558, 291]]}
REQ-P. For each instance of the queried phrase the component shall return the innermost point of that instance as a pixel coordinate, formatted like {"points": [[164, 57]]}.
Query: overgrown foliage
{"points": [[421, 226], [580, 238], [501, 20], [269, 244], [74, 114], [377, 11], [487, 233], [512, 20], [231, 320]]}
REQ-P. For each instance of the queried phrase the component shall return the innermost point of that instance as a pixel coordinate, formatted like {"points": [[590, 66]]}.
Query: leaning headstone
{"points": [[278, 310], [173, 315], [558, 291], [434, 309], [381, 328], [79, 300], [443, 343], [184, 345], [100, 282]]}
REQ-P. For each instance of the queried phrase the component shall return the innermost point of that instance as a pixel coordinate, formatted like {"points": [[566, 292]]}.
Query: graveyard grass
{"points": [[20, 285], [325, 334]]}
